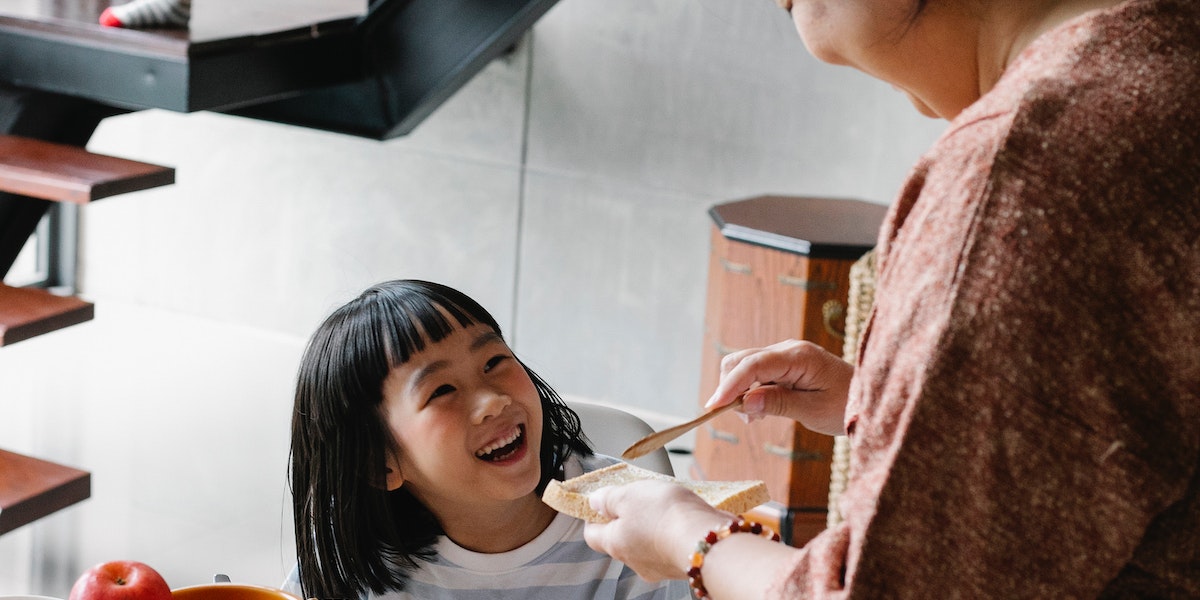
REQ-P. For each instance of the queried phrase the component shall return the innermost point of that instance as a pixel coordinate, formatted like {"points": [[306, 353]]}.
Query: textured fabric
{"points": [[557, 565], [860, 297], [1025, 413]]}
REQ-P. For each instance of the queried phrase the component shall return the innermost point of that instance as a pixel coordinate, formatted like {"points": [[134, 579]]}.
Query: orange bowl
{"points": [[230, 591]]}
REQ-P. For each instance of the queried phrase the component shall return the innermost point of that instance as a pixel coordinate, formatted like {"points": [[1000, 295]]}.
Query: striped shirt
{"points": [[556, 565]]}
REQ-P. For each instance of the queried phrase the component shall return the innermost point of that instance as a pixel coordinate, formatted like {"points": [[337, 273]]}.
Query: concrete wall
{"points": [[566, 188]]}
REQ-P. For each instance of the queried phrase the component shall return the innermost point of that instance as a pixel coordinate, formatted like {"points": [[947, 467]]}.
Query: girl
{"points": [[420, 448]]}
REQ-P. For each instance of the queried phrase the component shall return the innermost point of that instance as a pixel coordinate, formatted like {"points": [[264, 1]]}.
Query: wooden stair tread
{"points": [[32, 488], [65, 173], [29, 312]]}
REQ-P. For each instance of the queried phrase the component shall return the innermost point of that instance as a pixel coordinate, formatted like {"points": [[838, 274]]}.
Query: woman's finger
{"points": [[794, 379], [746, 369]]}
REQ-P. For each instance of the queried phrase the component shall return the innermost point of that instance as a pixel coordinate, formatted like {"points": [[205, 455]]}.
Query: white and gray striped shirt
{"points": [[556, 565]]}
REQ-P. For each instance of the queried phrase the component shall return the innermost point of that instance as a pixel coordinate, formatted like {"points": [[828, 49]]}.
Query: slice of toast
{"points": [[571, 496]]}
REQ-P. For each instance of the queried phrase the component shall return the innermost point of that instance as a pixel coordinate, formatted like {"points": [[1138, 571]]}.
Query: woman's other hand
{"points": [[795, 379], [654, 527]]}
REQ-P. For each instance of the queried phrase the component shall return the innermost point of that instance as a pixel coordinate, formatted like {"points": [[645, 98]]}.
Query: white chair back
{"points": [[612, 430]]}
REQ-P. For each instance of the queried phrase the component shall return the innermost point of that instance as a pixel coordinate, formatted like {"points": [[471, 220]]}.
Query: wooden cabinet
{"points": [[779, 269]]}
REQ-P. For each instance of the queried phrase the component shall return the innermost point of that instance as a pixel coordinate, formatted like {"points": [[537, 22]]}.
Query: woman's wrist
{"points": [[734, 526], [684, 528]]}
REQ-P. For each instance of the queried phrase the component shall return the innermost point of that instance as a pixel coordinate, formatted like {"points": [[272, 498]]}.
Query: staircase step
{"points": [[32, 488], [29, 312], [65, 173]]}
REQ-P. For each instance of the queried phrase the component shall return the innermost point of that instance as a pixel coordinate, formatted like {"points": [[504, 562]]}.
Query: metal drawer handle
{"points": [[723, 436], [793, 455], [808, 285], [733, 267]]}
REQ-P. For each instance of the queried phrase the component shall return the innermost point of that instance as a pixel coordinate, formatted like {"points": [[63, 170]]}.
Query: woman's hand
{"points": [[794, 379], [654, 529]]}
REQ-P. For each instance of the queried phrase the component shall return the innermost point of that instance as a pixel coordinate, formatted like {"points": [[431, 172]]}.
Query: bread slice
{"points": [[571, 496]]}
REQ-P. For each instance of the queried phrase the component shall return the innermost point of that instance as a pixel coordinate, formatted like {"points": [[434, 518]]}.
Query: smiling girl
{"points": [[420, 448]]}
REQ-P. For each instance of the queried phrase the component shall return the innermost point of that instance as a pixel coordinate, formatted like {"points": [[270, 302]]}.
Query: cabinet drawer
{"points": [[795, 463], [758, 296], [779, 268]]}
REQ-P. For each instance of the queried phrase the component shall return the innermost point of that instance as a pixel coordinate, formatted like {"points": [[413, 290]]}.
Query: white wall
{"points": [[566, 188]]}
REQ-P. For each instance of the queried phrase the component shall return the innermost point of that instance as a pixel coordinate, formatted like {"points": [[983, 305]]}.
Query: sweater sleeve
{"points": [[1047, 423]]}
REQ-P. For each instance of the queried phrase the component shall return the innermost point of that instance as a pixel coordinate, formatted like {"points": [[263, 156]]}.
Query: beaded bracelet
{"points": [[738, 525]]}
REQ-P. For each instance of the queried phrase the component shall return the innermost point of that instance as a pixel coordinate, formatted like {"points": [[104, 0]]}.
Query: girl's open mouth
{"points": [[504, 449]]}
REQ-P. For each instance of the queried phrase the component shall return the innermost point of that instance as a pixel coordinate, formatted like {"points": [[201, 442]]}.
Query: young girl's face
{"points": [[468, 422]]}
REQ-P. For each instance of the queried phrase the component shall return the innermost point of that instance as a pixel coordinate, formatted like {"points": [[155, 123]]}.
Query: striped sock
{"points": [[148, 13]]}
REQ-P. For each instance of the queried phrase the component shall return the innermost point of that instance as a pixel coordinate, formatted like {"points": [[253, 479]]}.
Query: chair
{"points": [[612, 430]]}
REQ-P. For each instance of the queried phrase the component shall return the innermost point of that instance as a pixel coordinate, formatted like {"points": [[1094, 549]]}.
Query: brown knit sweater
{"points": [[1025, 414]]}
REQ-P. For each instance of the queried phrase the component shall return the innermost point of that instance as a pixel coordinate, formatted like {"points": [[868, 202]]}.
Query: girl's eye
{"points": [[494, 361], [442, 390]]}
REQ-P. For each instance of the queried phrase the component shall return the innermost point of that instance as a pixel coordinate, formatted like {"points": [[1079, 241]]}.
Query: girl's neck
{"points": [[502, 528]]}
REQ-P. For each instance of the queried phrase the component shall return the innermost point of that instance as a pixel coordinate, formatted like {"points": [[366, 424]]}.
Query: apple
{"points": [[120, 580]]}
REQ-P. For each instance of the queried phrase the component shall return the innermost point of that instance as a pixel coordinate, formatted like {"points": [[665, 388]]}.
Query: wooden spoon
{"points": [[659, 439]]}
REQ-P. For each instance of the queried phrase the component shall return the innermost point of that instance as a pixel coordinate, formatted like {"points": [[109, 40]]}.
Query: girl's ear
{"points": [[393, 479]]}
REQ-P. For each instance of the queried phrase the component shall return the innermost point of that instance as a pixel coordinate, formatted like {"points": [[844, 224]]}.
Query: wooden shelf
{"points": [[32, 488], [30, 312], [64, 173]]}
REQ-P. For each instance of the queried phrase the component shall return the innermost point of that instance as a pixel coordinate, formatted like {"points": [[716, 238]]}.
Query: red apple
{"points": [[120, 580]]}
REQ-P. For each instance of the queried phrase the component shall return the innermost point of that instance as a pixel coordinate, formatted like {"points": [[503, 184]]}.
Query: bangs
{"points": [[430, 314]]}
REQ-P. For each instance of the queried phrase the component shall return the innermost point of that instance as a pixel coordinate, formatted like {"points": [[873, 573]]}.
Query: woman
{"points": [[1024, 413]]}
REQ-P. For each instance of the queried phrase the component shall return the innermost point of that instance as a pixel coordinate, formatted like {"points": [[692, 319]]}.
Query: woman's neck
{"points": [[502, 528], [1013, 26]]}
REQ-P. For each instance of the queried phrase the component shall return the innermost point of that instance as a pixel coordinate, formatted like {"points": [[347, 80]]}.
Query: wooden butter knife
{"points": [[659, 439]]}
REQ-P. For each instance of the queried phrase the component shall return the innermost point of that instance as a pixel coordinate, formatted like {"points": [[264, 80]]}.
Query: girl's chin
{"points": [[518, 486]]}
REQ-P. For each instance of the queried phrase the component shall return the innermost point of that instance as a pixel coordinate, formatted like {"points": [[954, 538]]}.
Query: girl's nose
{"points": [[490, 403]]}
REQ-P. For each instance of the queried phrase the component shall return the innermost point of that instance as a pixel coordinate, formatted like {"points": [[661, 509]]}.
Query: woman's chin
{"points": [[922, 107]]}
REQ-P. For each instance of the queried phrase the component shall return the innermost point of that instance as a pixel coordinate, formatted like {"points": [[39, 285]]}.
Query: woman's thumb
{"points": [[598, 500]]}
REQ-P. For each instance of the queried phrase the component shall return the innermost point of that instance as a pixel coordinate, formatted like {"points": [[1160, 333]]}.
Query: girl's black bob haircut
{"points": [[351, 534]]}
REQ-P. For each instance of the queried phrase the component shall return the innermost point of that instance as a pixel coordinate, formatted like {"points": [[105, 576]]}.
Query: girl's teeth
{"points": [[499, 444]]}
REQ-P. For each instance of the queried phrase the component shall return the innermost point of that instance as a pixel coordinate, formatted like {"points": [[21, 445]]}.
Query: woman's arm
{"points": [[744, 565], [656, 527]]}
